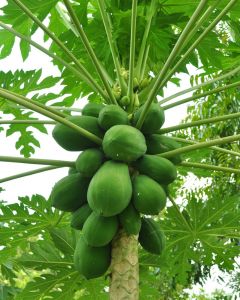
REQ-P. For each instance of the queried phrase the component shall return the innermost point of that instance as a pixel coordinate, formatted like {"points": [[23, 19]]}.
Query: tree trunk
{"points": [[124, 283]]}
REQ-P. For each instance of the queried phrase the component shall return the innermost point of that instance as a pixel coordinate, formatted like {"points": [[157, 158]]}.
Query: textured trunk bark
{"points": [[124, 283]]}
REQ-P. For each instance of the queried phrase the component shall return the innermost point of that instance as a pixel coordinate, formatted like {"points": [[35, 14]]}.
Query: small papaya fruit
{"points": [[89, 161], [112, 115], [154, 119], [71, 140], [92, 109], [157, 144], [110, 189], [80, 216], [151, 237], [148, 196], [98, 230], [124, 143], [70, 193], [130, 220], [158, 168], [91, 262]]}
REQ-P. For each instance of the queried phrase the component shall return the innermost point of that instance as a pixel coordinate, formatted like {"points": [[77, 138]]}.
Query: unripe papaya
{"points": [[91, 262], [157, 144], [98, 230], [149, 197], [92, 109], [71, 140], [158, 168], [124, 143], [89, 161], [144, 83], [154, 119], [124, 101], [151, 237], [112, 115], [110, 189], [72, 171], [70, 193], [130, 220], [80, 216]]}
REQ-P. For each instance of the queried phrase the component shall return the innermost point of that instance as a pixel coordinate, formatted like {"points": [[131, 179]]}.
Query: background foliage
{"points": [[202, 231]]}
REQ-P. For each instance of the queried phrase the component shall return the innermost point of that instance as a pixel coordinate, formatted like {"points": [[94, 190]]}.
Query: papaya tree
{"points": [[113, 227]]}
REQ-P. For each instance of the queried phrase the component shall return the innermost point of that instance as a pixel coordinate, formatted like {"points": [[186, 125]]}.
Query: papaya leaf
{"points": [[6, 43], [63, 240], [24, 82], [61, 280], [22, 222], [43, 254], [203, 232], [60, 285], [8, 292], [13, 15]]}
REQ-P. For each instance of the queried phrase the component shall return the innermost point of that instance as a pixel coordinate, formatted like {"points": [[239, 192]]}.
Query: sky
{"points": [[42, 183]]}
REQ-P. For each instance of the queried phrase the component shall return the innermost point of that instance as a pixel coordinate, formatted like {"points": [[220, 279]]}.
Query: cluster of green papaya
{"points": [[119, 184]]}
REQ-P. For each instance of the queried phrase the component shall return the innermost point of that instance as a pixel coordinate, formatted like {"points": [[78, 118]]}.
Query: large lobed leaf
{"points": [[204, 232], [22, 222]]}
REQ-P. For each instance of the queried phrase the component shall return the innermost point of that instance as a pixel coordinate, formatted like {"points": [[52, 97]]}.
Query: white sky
{"points": [[42, 183]]}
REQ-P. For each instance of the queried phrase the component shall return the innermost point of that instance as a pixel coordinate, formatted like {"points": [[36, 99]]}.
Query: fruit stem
{"points": [[143, 67], [38, 104], [197, 96], [197, 41], [46, 122], [213, 147], [142, 51], [24, 174], [38, 161], [199, 122], [113, 47], [62, 61], [227, 75], [132, 52], [208, 13], [45, 111], [201, 145], [170, 60], [60, 44], [209, 167], [90, 50]]}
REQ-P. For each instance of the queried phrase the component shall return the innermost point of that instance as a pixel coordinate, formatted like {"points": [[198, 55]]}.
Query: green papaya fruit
{"points": [[158, 168], [80, 216], [91, 262], [110, 189], [130, 220], [124, 101], [89, 161], [72, 171], [124, 143], [157, 144], [144, 83], [151, 237], [92, 109], [149, 197], [153, 120], [70, 193], [112, 115], [69, 139], [98, 230]]}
